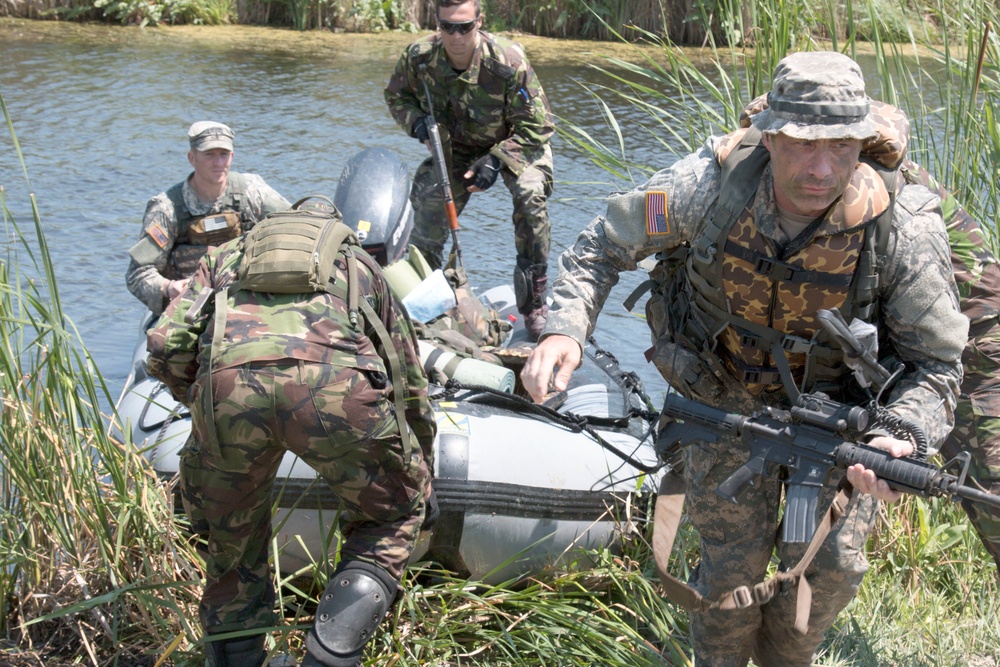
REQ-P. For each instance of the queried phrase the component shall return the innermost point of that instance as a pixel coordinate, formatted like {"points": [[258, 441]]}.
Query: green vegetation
{"points": [[95, 567], [689, 22], [686, 95]]}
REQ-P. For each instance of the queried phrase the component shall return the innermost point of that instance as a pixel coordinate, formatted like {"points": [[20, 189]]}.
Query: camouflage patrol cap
{"points": [[817, 95], [207, 134]]}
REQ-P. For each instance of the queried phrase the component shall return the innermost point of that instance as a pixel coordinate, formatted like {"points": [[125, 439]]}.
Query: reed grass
{"points": [[91, 563]]}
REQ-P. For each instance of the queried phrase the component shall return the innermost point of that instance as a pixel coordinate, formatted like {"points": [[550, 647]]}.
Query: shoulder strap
{"points": [[390, 353], [740, 178], [176, 196], [666, 521], [237, 187]]}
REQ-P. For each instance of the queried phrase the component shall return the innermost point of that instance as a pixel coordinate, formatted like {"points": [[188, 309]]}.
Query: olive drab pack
{"points": [[295, 252]]}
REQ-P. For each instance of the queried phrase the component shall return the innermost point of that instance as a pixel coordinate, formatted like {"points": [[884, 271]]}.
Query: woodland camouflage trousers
{"points": [[530, 192], [336, 421]]}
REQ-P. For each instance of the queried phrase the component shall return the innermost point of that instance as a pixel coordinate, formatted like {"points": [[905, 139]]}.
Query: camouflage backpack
{"points": [[294, 252]]}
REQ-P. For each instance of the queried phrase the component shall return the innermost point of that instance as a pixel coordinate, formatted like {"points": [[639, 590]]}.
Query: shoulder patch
{"points": [[656, 214], [158, 235]]}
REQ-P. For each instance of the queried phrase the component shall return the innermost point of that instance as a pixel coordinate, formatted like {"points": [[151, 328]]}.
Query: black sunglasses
{"points": [[464, 28]]}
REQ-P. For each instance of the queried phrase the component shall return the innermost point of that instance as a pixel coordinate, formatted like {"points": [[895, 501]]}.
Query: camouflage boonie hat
{"points": [[817, 95], [207, 134]]}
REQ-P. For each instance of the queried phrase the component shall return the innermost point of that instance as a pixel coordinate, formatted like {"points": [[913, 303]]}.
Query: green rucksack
{"points": [[294, 252]]}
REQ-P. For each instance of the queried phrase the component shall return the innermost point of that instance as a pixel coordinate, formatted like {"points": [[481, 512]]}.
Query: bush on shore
{"points": [[688, 22]]}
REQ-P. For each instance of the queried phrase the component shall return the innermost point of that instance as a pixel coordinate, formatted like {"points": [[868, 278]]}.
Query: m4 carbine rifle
{"points": [[802, 446]]}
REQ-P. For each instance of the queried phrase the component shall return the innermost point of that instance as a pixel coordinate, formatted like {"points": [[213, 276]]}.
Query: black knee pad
{"points": [[239, 652], [352, 607]]}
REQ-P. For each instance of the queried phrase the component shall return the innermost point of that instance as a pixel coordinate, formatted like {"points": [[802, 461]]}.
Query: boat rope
{"points": [[574, 422]]}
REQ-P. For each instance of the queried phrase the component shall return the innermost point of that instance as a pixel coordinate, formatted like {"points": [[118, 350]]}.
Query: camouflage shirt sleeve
{"points": [[921, 314], [262, 199], [401, 93], [172, 343], [528, 115], [628, 233], [145, 281]]}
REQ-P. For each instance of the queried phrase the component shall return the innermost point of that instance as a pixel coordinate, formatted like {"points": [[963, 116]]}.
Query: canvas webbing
{"points": [[666, 522]]}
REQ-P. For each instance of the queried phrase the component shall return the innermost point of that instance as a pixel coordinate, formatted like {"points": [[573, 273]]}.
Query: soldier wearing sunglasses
{"points": [[494, 121]]}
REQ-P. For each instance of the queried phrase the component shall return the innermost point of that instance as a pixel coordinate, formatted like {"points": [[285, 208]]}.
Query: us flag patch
{"points": [[656, 213], [158, 235]]}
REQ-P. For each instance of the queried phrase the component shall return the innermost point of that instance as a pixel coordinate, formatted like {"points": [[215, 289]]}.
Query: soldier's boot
{"points": [[353, 605], [530, 285], [239, 652]]}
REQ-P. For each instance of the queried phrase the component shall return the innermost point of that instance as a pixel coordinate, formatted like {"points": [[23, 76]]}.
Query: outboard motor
{"points": [[373, 195]]}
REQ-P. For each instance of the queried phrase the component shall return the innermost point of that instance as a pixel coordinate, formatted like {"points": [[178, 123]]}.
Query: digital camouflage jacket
{"points": [[919, 300]]}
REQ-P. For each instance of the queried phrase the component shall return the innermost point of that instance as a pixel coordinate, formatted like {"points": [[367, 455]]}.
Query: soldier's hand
{"points": [[420, 130], [555, 350], [866, 481], [175, 287], [482, 174]]}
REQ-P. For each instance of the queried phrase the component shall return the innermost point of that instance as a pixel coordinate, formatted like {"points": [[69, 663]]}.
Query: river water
{"points": [[101, 115]]}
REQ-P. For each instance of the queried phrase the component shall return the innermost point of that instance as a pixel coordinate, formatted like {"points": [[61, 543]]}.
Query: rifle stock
{"points": [[808, 444]]}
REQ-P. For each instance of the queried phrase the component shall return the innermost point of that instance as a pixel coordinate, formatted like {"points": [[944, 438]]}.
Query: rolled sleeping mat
{"points": [[402, 278], [466, 370], [417, 261]]}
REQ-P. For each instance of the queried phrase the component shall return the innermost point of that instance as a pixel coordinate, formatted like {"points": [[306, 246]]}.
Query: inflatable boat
{"points": [[521, 487]]}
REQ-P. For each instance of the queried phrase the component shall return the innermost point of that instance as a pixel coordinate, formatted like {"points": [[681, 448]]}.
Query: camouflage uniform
{"points": [[495, 107], [291, 373], [919, 311], [977, 418], [162, 230]]}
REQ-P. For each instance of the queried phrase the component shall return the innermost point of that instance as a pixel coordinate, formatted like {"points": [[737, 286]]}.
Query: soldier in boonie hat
{"points": [[817, 95], [207, 134]]}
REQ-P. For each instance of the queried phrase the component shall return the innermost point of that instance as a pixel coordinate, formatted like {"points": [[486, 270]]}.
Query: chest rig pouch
{"points": [[199, 234], [702, 336], [215, 229]]}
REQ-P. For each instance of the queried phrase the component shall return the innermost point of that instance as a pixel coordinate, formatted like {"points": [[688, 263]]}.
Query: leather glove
{"points": [[420, 129], [483, 172]]}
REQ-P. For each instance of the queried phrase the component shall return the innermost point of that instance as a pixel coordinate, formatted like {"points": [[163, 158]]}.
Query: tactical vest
{"points": [[294, 252], [735, 304], [197, 234]]}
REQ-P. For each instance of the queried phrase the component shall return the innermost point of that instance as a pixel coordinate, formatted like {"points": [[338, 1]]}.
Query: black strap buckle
{"points": [[773, 269]]}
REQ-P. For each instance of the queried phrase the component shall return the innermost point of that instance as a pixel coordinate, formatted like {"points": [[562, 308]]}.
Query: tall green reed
{"points": [[90, 561]]}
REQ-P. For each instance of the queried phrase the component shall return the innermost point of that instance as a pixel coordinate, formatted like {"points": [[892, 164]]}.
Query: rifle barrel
{"points": [[441, 166], [975, 495]]}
